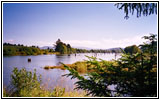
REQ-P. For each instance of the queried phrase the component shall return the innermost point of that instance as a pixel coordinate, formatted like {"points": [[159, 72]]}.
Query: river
{"points": [[52, 77]]}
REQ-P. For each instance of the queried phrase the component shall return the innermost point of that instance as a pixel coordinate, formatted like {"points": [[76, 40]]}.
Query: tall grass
{"points": [[56, 92], [27, 84], [79, 66]]}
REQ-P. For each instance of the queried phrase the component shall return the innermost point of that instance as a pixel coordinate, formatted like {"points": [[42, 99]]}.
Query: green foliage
{"points": [[27, 84], [141, 8], [58, 92], [95, 83], [62, 48], [5, 93], [132, 49], [13, 49], [24, 81], [81, 67], [150, 45], [7, 50], [67, 49], [116, 50], [131, 75]]}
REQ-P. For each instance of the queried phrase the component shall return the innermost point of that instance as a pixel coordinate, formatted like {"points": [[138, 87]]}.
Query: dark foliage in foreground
{"points": [[131, 75], [140, 8]]}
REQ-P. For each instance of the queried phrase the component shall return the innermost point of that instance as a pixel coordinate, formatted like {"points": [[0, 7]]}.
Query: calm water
{"points": [[52, 77]]}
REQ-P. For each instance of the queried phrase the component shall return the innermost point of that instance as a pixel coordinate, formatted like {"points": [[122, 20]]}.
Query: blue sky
{"points": [[92, 25]]}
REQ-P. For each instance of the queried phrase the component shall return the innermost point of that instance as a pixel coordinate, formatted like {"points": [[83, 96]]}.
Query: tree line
{"points": [[64, 48], [60, 48], [20, 49]]}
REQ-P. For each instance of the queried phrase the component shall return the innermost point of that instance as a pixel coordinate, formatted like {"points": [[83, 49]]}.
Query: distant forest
{"points": [[64, 48], [13, 49], [59, 48]]}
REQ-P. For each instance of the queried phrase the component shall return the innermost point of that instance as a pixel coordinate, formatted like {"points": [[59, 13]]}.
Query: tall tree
{"points": [[62, 48], [69, 49]]}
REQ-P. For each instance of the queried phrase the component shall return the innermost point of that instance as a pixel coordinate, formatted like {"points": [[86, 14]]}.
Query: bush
{"points": [[27, 84], [24, 81], [12, 50]]}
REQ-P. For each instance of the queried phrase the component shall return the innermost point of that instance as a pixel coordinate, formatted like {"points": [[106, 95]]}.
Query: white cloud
{"points": [[43, 43], [82, 42], [10, 41], [106, 43], [99, 44]]}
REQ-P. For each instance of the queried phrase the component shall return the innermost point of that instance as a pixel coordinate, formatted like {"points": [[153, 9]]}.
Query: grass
{"points": [[28, 84], [75, 94], [83, 67], [79, 66], [56, 67], [41, 92]]}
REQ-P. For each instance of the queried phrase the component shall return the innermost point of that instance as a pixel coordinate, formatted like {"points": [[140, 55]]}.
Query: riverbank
{"points": [[42, 92], [28, 84]]}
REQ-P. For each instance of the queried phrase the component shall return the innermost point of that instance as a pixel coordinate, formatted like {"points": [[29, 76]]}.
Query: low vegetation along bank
{"points": [[14, 50], [79, 66], [60, 48], [27, 84]]}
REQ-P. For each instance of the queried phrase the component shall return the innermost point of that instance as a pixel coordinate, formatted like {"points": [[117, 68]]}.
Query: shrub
{"points": [[24, 81], [27, 84]]}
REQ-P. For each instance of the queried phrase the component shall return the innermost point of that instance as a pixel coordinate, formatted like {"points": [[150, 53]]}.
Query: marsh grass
{"points": [[56, 92], [56, 67], [75, 94], [80, 66]]}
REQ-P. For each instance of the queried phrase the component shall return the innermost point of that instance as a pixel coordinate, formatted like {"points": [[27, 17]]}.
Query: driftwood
{"points": [[29, 59]]}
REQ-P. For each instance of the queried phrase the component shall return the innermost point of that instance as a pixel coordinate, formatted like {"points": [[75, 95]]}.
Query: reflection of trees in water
{"points": [[62, 59]]}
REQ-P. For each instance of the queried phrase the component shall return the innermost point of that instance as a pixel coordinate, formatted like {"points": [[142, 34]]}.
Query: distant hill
{"points": [[82, 47], [51, 47], [46, 47], [118, 48]]}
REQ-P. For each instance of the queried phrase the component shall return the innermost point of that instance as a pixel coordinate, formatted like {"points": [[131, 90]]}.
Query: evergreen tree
{"points": [[132, 49], [131, 75]]}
